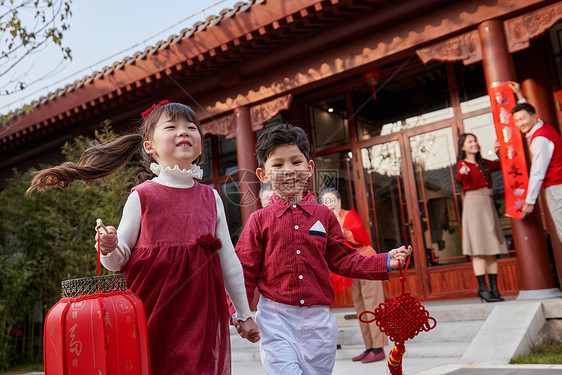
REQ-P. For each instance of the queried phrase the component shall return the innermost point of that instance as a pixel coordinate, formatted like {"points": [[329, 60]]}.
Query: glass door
{"points": [[412, 199], [438, 199], [388, 216]]}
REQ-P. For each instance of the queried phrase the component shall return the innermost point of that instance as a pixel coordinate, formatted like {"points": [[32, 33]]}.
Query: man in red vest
{"points": [[545, 145]]}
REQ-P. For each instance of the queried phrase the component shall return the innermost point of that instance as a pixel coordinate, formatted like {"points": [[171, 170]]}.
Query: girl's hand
{"points": [[464, 169], [108, 241], [248, 329], [398, 256]]}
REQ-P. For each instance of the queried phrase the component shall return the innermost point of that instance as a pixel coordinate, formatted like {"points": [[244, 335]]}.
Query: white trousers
{"points": [[296, 340], [553, 195]]}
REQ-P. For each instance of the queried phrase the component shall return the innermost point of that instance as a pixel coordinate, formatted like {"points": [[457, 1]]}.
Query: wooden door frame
{"points": [[419, 284]]}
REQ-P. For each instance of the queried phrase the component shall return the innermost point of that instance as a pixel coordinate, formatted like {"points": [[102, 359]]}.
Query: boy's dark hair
{"points": [[524, 107], [280, 135]]}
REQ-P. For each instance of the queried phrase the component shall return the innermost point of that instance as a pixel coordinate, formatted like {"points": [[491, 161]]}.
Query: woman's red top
{"points": [[475, 178]]}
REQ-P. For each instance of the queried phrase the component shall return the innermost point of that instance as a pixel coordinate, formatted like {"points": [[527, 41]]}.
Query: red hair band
{"points": [[154, 106]]}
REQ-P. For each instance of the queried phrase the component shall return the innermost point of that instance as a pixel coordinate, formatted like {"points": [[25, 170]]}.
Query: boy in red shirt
{"points": [[286, 250]]}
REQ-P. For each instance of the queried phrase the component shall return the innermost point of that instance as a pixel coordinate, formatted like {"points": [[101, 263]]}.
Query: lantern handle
{"points": [[99, 224]]}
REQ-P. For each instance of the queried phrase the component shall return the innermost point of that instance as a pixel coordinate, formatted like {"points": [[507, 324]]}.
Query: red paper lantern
{"points": [[97, 327], [372, 76]]}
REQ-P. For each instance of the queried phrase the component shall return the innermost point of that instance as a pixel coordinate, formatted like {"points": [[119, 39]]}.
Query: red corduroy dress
{"points": [[175, 270]]}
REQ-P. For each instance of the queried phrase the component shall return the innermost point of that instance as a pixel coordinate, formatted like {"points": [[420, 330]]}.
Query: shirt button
{"points": [[294, 206], [298, 252], [296, 227], [302, 301], [301, 277]]}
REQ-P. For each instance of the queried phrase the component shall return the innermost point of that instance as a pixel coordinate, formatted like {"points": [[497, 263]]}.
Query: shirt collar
{"points": [[534, 129], [280, 206]]}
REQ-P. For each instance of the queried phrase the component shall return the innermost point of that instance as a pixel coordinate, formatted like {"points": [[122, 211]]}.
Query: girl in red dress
{"points": [[175, 245]]}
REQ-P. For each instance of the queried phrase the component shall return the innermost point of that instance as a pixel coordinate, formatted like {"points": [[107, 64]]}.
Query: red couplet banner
{"points": [[512, 154]]}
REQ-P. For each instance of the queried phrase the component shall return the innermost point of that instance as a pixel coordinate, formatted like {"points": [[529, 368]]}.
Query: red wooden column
{"points": [[537, 87], [249, 183], [535, 269]]}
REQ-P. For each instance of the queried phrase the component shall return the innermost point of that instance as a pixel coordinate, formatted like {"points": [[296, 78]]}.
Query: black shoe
{"points": [[483, 291], [493, 278]]}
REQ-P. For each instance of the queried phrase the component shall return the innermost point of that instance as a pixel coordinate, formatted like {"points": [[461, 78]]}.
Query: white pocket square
{"points": [[317, 229]]}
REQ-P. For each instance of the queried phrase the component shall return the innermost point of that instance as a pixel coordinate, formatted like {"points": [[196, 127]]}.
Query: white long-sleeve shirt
{"points": [[541, 151], [129, 229]]}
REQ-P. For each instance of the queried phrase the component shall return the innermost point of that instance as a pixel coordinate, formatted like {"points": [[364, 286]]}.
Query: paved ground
{"points": [[418, 366], [411, 366]]}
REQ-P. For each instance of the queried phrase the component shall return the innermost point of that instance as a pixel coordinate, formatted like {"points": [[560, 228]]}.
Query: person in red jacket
{"points": [[366, 294], [482, 236], [545, 145]]}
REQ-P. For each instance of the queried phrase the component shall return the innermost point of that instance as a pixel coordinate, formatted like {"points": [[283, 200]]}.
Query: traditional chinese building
{"points": [[383, 88]]}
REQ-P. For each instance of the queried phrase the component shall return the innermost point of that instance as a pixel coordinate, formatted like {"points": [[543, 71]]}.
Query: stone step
{"points": [[451, 336], [245, 355], [460, 311], [413, 350], [243, 350], [443, 332], [460, 331]]}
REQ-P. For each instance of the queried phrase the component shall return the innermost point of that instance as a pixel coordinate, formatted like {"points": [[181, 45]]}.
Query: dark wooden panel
{"points": [[455, 281]]}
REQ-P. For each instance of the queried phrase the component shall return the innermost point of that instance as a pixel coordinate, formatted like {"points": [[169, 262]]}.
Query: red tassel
{"points": [[395, 359]]}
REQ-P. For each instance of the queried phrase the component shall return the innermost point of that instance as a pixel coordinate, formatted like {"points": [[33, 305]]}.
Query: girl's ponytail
{"points": [[97, 161]]}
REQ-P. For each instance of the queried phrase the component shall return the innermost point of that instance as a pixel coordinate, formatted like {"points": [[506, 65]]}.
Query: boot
{"points": [[483, 291], [493, 278]]}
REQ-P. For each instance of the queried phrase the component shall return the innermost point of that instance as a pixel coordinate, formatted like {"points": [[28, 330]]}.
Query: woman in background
{"points": [[366, 294], [482, 236]]}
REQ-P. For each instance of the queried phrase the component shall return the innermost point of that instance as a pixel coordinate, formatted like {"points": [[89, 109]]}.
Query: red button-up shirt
{"points": [[287, 249]]}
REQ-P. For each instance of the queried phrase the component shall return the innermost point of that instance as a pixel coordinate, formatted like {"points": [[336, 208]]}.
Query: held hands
{"points": [[248, 329], [398, 256], [108, 241]]}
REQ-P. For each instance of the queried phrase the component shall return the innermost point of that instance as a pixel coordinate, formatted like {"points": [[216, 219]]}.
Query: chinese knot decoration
{"points": [[401, 318]]}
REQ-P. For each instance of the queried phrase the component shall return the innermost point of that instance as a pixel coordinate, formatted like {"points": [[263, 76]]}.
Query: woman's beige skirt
{"points": [[481, 231]]}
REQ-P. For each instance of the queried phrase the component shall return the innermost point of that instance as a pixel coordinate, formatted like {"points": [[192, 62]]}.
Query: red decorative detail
{"points": [[209, 243], [395, 359], [154, 106], [340, 283], [512, 153], [102, 333], [401, 318], [372, 76]]}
